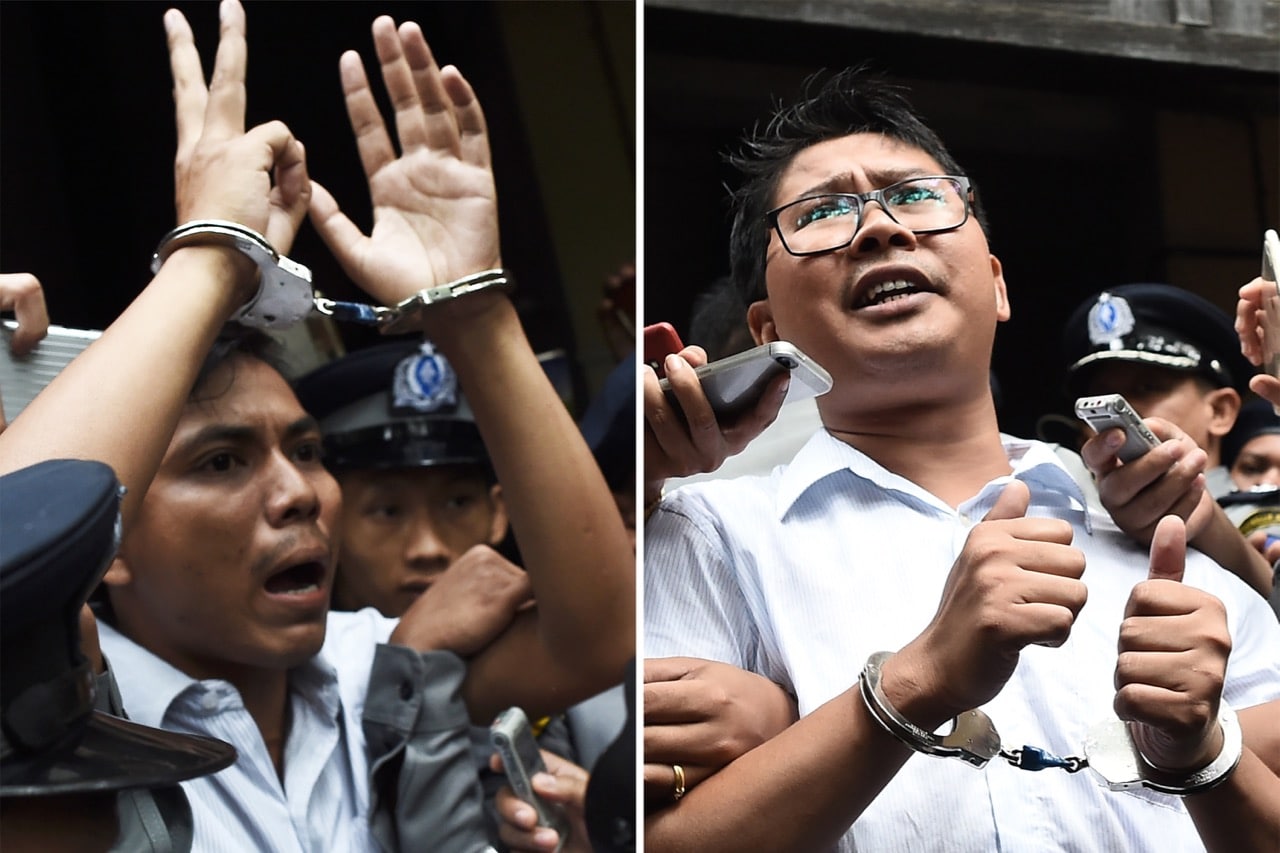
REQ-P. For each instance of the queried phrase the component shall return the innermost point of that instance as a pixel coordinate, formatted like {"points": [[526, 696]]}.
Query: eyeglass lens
{"points": [[829, 221]]}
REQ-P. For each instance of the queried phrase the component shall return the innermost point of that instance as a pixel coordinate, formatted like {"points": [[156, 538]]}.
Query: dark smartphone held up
{"points": [[1109, 411], [735, 384]]}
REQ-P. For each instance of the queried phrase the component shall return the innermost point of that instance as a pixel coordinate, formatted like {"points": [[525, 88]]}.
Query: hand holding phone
{"points": [[1109, 411], [514, 741], [735, 384], [660, 341], [1271, 305]]}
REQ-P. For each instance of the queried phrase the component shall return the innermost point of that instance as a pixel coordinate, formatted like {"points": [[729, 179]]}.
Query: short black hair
{"points": [[718, 321], [234, 340], [855, 100]]}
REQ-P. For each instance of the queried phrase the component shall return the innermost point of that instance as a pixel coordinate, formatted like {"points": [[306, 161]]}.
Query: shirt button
{"points": [[406, 691], [209, 701]]}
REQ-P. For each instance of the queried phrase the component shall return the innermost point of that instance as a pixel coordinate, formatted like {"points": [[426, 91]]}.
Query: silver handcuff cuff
{"points": [[285, 295], [1109, 750]]}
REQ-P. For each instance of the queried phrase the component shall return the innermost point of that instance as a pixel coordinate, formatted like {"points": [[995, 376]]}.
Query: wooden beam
{"points": [[1246, 37]]}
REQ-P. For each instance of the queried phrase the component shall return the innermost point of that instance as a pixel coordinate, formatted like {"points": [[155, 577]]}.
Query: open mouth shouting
{"points": [[300, 580], [890, 289]]}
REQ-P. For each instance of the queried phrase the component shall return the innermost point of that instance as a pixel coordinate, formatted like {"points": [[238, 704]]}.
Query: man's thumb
{"points": [[1012, 503], [1169, 549]]}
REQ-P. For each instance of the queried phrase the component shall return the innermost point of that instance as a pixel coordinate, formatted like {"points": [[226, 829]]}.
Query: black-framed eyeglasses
{"points": [[823, 223]]}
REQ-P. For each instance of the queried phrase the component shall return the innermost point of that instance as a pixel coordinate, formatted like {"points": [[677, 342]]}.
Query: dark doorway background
{"points": [[1155, 171]]}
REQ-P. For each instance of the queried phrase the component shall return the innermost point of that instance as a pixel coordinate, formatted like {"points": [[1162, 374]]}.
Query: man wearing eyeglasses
{"points": [[912, 541]]}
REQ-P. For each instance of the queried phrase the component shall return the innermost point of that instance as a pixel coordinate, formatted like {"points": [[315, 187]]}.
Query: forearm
{"points": [[800, 791], [119, 401], [571, 536], [518, 669], [1223, 543], [1241, 814]]}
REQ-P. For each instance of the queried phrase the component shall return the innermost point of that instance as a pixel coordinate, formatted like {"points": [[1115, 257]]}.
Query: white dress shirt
{"points": [[801, 574], [323, 802]]}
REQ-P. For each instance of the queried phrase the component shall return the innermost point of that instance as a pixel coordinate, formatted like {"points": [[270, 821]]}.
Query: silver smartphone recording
{"points": [[23, 377], [1109, 411], [513, 739]]}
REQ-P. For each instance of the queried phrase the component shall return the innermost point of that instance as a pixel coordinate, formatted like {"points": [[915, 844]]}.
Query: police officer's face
{"points": [[1258, 463], [401, 528], [230, 560]]}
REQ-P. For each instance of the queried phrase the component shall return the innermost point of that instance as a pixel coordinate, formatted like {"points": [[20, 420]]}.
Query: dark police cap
{"points": [[394, 405], [1156, 324], [59, 529]]}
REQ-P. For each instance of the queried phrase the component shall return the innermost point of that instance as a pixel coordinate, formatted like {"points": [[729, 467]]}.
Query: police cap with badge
{"points": [[394, 405], [59, 529], [1156, 324]]}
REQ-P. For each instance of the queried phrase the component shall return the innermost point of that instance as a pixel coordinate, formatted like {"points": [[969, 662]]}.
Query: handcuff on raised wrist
{"points": [[284, 287], [1108, 749], [285, 295]]}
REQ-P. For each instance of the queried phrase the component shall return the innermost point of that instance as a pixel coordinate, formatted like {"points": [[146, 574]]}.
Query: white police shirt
{"points": [[801, 574], [323, 802]]}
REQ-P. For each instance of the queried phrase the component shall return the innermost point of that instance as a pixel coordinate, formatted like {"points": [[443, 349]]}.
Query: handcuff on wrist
{"points": [[285, 295], [284, 286], [1108, 749]]}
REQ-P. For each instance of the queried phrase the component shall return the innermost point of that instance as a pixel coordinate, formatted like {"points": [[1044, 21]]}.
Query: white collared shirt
{"points": [[323, 802], [801, 574]]}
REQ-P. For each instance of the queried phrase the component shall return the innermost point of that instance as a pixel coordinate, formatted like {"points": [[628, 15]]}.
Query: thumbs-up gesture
{"points": [[1016, 582], [1173, 648]]}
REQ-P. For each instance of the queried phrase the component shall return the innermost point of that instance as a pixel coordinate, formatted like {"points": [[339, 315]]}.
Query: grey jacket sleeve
{"points": [[424, 792]]}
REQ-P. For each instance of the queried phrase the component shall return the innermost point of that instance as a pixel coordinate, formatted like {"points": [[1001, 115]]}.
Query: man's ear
{"points": [[760, 321], [498, 526], [1224, 407], [1003, 309]]}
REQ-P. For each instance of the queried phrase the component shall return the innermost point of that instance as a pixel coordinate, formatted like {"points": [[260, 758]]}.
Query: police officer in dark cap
{"points": [[419, 501], [63, 761], [418, 491], [1170, 353], [1251, 451]]}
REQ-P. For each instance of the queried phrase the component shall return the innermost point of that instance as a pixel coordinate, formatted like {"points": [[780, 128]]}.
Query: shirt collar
{"points": [[153, 685], [148, 685], [1033, 462]]}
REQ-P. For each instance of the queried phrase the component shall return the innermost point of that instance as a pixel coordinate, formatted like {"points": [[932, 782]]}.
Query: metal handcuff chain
{"points": [[1109, 749], [406, 314]]}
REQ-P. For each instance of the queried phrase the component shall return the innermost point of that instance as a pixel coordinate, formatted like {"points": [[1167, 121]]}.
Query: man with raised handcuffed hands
{"points": [[955, 568], [219, 593]]}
